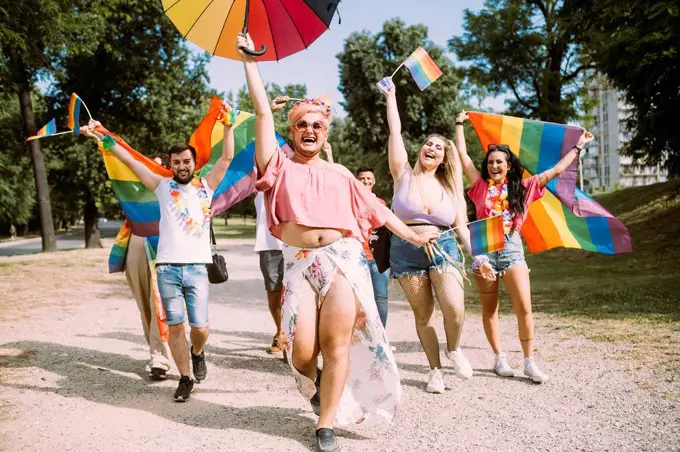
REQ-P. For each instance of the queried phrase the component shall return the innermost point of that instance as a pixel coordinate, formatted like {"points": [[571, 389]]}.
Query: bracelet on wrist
{"points": [[578, 149], [459, 123], [108, 142]]}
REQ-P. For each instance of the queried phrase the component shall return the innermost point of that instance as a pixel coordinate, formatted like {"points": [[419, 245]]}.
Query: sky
{"points": [[317, 66]]}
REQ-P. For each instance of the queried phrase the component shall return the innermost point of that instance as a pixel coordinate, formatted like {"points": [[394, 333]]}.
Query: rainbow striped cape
{"points": [[565, 216]]}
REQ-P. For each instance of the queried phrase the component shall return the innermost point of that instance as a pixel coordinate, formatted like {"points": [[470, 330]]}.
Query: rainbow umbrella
{"points": [[283, 26]]}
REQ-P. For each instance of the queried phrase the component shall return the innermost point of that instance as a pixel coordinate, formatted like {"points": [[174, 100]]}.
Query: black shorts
{"points": [[271, 265]]}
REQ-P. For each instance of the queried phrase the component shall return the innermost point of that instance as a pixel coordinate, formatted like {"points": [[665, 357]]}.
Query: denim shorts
{"points": [[407, 259], [184, 285], [512, 254]]}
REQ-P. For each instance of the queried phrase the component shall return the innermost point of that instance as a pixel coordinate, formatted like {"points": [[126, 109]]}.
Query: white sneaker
{"points": [[532, 371], [460, 363], [436, 383], [501, 366]]}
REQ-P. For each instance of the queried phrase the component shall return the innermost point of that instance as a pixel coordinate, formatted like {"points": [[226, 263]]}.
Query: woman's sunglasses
{"points": [[317, 126], [498, 147]]}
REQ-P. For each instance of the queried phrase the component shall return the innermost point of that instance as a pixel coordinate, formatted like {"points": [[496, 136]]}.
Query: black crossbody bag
{"points": [[217, 271]]}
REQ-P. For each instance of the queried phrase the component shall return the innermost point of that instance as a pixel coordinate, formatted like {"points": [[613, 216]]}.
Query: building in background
{"points": [[603, 167]]}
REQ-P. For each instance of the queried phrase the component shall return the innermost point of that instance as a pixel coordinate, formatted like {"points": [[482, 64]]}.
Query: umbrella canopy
{"points": [[283, 26]]}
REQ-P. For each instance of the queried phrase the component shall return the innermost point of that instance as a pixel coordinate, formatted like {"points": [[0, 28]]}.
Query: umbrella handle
{"points": [[263, 49], [260, 52]]}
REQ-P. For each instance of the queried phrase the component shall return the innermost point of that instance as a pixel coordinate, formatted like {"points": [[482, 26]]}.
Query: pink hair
{"points": [[320, 104]]}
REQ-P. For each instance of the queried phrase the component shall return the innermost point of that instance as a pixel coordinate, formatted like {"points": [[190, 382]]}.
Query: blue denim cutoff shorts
{"points": [[512, 254], [181, 285], [407, 259]]}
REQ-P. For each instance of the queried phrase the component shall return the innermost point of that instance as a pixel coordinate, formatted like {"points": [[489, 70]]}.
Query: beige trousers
{"points": [[138, 276]]}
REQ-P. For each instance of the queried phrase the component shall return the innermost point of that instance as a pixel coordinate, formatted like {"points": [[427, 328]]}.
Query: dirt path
{"points": [[71, 378]]}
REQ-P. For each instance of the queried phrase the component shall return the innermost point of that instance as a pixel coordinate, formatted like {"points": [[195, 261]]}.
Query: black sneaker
{"points": [[184, 390], [325, 440], [157, 374], [316, 399], [200, 369]]}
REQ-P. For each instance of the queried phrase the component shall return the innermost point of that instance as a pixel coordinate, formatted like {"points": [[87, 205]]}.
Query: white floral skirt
{"points": [[373, 385]]}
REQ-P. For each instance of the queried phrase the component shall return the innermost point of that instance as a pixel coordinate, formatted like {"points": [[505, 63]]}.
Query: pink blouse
{"points": [[317, 197], [479, 189]]}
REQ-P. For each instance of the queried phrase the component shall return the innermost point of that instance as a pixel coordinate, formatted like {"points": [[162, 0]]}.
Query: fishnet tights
{"points": [[449, 290]]}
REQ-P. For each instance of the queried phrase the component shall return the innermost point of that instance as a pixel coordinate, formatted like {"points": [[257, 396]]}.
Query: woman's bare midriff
{"points": [[305, 237]]}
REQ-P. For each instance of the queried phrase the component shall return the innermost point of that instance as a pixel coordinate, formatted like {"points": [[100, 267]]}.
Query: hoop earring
{"points": [[442, 165]]}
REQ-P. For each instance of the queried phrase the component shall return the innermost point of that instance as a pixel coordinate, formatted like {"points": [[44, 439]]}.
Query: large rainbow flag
{"points": [[117, 264], [565, 216], [140, 205]]}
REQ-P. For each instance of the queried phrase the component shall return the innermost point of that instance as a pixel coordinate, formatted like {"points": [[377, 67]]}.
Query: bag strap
{"points": [[213, 242]]}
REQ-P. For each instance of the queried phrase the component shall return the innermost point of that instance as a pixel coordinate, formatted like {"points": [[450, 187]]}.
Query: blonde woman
{"points": [[429, 197]]}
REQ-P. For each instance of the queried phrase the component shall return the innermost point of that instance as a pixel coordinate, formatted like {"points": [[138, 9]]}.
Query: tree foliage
{"points": [[526, 48], [17, 189], [33, 34], [365, 59], [141, 82], [636, 46]]}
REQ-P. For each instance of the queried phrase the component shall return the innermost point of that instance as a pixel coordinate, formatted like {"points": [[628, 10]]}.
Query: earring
{"points": [[442, 165]]}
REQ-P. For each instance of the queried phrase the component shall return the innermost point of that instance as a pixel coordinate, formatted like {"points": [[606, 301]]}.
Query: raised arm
{"points": [[265, 138], [215, 176], [396, 151], [145, 175], [564, 163], [469, 169]]}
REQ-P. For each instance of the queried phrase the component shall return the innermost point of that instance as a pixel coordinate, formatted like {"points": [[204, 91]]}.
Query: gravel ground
{"points": [[72, 378]]}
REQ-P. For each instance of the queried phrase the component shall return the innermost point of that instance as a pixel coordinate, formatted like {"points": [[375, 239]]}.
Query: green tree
{"points": [[142, 83], [526, 48], [365, 59], [17, 190], [33, 34], [636, 46]]}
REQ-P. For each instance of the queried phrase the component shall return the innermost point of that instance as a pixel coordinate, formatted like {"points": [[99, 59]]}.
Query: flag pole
{"points": [[86, 109], [397, 69]]}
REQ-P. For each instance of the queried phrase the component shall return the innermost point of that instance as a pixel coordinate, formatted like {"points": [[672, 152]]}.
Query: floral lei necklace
{"points": [[181, 207], [497, 197]]}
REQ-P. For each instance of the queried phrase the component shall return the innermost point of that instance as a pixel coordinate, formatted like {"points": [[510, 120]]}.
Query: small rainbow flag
{"points": [[565, 216], [74, 113], [49, 129], [486, 236], [423, 68]]}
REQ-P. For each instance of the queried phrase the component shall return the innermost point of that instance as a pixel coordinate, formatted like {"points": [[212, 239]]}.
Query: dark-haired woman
{"points": [[500, 190]]}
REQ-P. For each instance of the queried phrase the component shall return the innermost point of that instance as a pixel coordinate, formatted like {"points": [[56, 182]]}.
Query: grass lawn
{"points": [[238, 228], [630, 299]]}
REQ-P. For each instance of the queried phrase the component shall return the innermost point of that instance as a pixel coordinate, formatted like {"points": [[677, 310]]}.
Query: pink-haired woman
{"points": [[321, 212]]}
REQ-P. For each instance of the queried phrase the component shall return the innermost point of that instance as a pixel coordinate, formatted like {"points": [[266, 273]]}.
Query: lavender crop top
{"points": [[444, 215]]}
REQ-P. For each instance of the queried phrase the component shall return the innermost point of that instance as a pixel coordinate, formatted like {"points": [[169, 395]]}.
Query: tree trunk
{"points": [[91, 214], [49, 239]]}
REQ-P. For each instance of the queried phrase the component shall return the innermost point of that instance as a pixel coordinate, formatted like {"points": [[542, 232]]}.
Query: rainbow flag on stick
{"points": [[486, 236], [565, 216], [48, 129], [74, 113], [422, 67]]}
